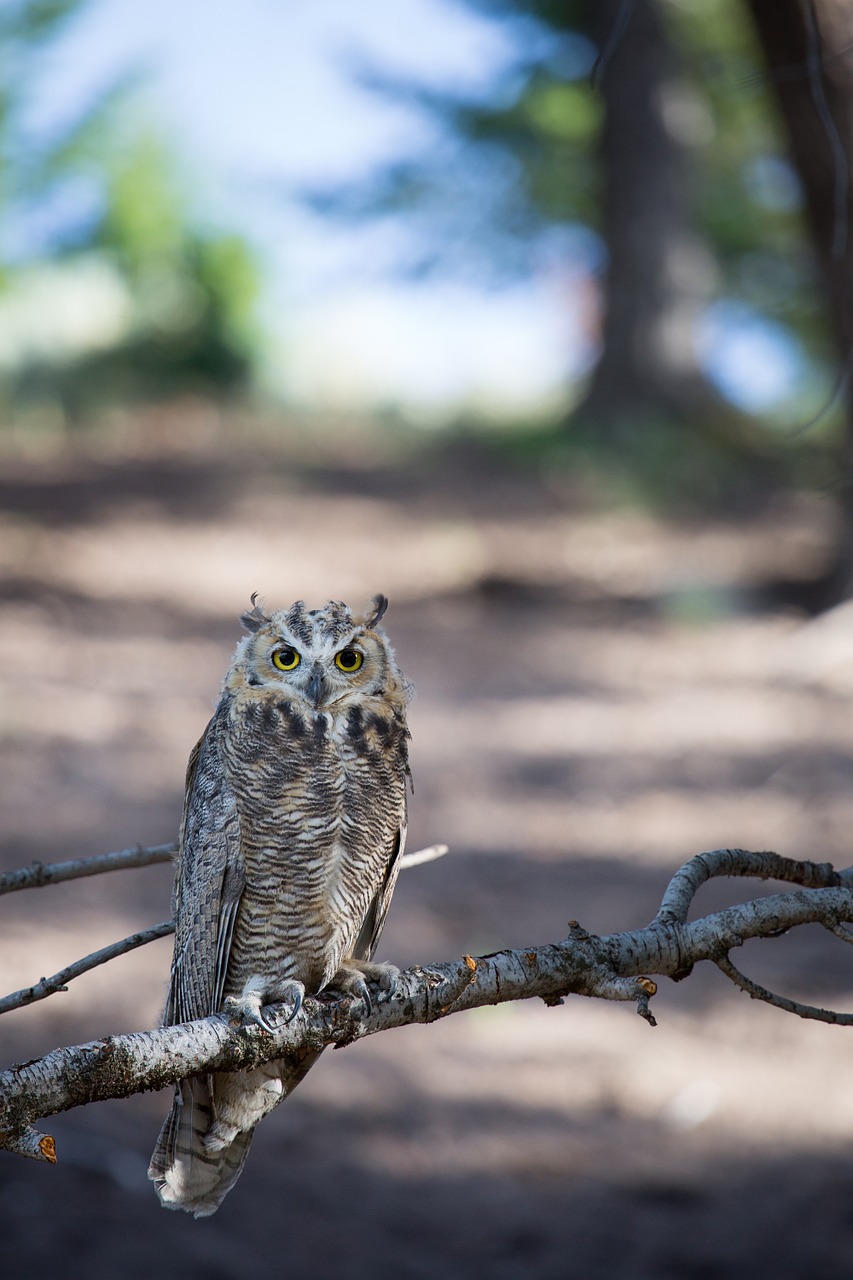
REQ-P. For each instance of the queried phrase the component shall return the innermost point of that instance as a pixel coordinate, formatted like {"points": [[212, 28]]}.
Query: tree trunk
{"points": [[658, 275], [809, 53]]}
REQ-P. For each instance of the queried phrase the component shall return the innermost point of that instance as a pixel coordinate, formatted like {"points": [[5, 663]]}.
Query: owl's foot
{"points": [[353, 976], [292, 993], [245, 1011]]}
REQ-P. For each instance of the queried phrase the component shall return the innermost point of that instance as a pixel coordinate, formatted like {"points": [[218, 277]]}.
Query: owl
{"points": [[293, 830]]}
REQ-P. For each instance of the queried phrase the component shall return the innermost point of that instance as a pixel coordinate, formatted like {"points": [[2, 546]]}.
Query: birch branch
{"points": [[50, 986], [39, 874], [613, 967], [756, 992]]}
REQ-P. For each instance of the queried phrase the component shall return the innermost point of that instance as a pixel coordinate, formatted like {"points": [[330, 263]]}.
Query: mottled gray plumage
{"points": [[293, 829]]}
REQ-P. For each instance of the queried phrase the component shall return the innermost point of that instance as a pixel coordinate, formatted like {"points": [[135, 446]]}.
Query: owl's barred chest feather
{"points": [[313, 791]]}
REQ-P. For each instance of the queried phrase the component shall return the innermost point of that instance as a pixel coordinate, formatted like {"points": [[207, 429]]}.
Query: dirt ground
{"points": [[599, 697]]}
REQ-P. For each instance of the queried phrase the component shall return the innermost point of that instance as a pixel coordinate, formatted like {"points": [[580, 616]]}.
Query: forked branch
{"points": [[614, 967]]}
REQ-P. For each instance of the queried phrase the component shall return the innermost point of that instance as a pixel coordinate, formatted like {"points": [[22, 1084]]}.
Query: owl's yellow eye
{"points": [[349, 660], [286, 658]]}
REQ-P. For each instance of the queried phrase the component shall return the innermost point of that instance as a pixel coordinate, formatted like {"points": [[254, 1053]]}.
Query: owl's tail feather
{"points": [[186, 1173]]}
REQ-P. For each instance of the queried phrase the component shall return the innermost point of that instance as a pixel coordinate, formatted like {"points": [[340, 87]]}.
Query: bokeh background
{"points": [[536, 318]]}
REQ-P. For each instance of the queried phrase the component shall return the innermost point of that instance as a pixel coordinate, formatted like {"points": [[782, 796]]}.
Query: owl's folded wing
{"points": [[209, 882], [374, 921]]}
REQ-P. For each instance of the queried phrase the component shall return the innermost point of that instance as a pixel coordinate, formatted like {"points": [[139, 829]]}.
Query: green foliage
{"points": [[515, 160], [544, 114], [564, 113], [181, 277], [724, 69], [191, 290], [144, 220]]}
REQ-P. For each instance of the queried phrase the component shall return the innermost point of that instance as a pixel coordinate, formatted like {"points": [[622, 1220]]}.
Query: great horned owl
{"points": [[293, 829]]}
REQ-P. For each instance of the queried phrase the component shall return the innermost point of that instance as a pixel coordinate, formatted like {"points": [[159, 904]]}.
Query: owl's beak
{"points": [[316, 684]]}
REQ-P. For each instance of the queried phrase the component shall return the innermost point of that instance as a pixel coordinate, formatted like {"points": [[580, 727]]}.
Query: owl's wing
{"points": [[209, 882], [374, 921]]}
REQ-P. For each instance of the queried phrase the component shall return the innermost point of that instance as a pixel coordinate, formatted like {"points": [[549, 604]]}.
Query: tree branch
{"points": [[756, 992], [689, 879], [49, 986], [39, 874], [614, 967]]}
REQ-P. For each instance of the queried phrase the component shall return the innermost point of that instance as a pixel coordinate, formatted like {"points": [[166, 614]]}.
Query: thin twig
{"points": [[50, 986], [839, 931], [611, 44], [39, 874], [420, 856], [757, 992]]}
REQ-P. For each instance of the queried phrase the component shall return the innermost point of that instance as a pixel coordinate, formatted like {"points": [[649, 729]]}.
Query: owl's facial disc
{"points": [[324, 670]]}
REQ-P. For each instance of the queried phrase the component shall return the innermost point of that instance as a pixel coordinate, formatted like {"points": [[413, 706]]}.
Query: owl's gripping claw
{"points": [[246, 1010], [352, 978], [293, 993], [387, 977]]}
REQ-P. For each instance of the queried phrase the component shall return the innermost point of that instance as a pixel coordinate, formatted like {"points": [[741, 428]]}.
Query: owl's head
{"points": [[323, 657]]}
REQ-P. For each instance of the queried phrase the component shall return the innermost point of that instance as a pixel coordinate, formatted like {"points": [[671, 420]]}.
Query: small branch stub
{"points": [[647, 989], [34, 1145]]}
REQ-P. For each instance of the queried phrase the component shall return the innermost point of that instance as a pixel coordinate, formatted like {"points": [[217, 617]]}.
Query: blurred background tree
{"points": [[102, 210], [809, 54], [640, 140], [632, 150]]}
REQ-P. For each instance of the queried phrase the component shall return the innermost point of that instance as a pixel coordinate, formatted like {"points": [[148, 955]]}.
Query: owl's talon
{"points": [[391, 985], [245, 1011], [368, 1001], [296, 993], [386, 977], [359, 990], [353, 976]]}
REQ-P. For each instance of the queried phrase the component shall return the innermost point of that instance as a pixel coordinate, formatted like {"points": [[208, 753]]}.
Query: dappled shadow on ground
{"points": [[597, 701], [353, 1198]]}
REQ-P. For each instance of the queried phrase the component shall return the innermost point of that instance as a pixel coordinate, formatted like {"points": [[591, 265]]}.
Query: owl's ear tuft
{"points": [[375, 610], [253, 619]]}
